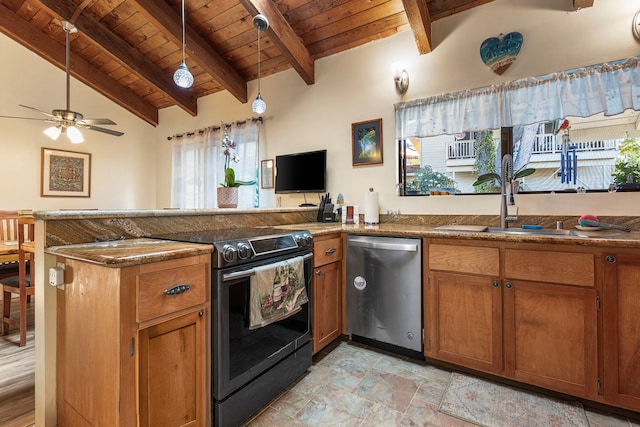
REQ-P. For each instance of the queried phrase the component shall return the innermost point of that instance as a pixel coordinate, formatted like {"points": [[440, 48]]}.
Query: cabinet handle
{"points": [[496, 284], [330, 251], [318, 272], [610, 259], [508, 285], [200, 313], [177, 289]]}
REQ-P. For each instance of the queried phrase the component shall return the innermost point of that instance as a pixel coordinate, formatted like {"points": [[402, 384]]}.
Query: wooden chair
{"points": [[21, 283], [8, 232]]}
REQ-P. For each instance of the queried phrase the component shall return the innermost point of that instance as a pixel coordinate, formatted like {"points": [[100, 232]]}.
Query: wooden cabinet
{"points": [[621, 328], [522, 311], [466, 322], [134, 340], [171, 368], [327, 290], [550, 336], [550, 319]]}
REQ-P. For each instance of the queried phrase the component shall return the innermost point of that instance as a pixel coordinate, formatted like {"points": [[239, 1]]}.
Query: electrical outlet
{"points": [[56, 276]]}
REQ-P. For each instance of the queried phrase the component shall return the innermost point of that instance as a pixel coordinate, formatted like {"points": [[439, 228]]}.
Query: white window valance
{"points": [[608, 88]]}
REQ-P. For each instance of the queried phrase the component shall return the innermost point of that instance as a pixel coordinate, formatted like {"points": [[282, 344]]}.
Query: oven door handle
{"points": [[246, 273]]}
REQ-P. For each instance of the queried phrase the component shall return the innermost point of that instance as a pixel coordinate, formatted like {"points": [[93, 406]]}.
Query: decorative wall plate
{"points": [[498, 53]]}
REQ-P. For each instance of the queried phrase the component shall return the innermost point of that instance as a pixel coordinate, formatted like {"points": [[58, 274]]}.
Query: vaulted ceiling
{"points": [[127, 50]]}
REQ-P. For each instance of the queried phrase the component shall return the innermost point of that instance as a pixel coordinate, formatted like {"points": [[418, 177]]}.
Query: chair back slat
{"points": [[8, 225], [24, 285]]}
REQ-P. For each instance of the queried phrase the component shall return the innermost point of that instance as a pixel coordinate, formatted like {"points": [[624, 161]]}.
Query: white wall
{"points": [[133, 171], [123, 168], [356, 85]]}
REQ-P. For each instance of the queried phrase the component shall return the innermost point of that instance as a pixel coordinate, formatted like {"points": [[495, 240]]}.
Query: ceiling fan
{"points": [[67, 121]]}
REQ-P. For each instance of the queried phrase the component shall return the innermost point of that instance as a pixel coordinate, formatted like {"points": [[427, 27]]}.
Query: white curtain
{"points": [[198, 165], [610, 88]]}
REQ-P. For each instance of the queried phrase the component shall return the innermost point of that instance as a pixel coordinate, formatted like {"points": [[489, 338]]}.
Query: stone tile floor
{"points": [[351, 384]]}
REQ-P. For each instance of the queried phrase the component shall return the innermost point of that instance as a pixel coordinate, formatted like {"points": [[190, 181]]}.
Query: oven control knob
{"points": [[244, 251], [229, 253], [303, 240]]}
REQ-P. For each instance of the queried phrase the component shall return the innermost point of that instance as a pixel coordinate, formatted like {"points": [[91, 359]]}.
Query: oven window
{"points": [[248, 348]]}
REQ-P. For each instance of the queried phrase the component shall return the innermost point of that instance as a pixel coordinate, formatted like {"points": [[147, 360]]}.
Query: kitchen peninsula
{"points": [[589, 275]]}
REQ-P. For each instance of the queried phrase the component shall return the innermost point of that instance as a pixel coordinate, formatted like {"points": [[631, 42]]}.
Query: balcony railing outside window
{"points": [[551, 143], [543, 144], [464, 149]]}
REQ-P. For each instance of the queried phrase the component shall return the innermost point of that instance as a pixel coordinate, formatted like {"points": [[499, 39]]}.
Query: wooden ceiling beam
{"points": [[164, 18], [124, 53], [19, 30], [283, 36], [420, 22], [581, 4]]}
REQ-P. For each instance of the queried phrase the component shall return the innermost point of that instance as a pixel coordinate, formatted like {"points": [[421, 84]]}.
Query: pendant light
{"points": [[183, 77], [261, 23]]}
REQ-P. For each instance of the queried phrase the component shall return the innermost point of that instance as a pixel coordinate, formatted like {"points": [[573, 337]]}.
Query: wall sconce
{"points": [[400, 76]]}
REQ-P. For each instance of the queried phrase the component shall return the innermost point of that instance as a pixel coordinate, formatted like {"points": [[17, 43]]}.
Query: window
{"points": [[437, 154], [198, 165], [594, 146]]}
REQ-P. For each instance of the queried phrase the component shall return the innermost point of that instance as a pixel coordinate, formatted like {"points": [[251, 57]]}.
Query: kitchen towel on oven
{"points": [[277, 292]]}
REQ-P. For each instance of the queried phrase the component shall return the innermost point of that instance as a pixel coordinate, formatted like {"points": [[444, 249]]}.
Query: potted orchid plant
{"points": [[228, 190]]}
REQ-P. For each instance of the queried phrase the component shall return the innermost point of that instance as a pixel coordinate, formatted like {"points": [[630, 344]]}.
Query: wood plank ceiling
{"points": [[127, 50]]}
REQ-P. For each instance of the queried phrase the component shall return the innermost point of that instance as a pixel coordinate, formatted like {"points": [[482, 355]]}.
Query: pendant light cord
{"points": [[259, 60], [183, 32]]}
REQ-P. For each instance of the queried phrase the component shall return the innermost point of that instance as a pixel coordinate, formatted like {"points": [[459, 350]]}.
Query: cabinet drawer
{"points": [[153, 301], [327, 251], [464, 259], [568, 268]]}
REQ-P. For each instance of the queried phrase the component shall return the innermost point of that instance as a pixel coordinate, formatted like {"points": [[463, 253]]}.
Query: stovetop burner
{"points": [[237, 246]]}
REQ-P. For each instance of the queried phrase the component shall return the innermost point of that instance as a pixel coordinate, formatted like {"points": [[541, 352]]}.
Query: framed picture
{"points": [[65, 173], [266, 173], [367, 142]]}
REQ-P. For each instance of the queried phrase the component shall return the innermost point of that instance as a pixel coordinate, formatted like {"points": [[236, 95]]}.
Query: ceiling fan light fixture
{"points": [[53, 132], [183, 77], [74, 135], [261, 23]]}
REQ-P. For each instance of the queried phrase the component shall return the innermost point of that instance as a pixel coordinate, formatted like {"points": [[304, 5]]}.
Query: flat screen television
{"points": [[301, 172]]}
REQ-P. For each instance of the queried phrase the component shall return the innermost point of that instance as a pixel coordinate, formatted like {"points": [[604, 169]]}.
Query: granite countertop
{"points": [[124, 253], [610, 238]]}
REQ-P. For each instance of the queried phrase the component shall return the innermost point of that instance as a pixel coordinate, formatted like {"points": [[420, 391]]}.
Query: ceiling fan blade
{"points": [[103, 130], [39, 111], [98, 122], [25, 118]]}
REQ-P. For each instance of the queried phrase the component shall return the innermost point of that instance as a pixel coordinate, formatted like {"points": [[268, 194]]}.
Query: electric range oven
{"points": [[250, 367]]}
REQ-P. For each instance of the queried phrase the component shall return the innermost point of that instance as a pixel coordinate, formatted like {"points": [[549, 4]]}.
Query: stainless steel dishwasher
{"points": [[384, 291]]}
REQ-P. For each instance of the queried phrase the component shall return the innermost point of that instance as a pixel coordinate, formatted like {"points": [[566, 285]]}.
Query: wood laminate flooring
{"points": [[17, 373]]}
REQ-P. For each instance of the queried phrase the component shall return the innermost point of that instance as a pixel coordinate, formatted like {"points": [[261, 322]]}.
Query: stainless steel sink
{"points": [[551, 232]]}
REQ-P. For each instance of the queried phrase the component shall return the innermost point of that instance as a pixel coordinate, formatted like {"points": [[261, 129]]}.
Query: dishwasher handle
{"points": [[377, 244]]}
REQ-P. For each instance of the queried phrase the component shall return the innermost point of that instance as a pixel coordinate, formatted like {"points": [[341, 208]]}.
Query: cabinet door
{"points": [[468, 321], [173, 372], [326, 305], [621, 317], [551, 336]]}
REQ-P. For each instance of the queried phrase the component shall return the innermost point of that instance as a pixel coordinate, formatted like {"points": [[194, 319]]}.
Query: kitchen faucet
{"points": [[506, 192]]}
